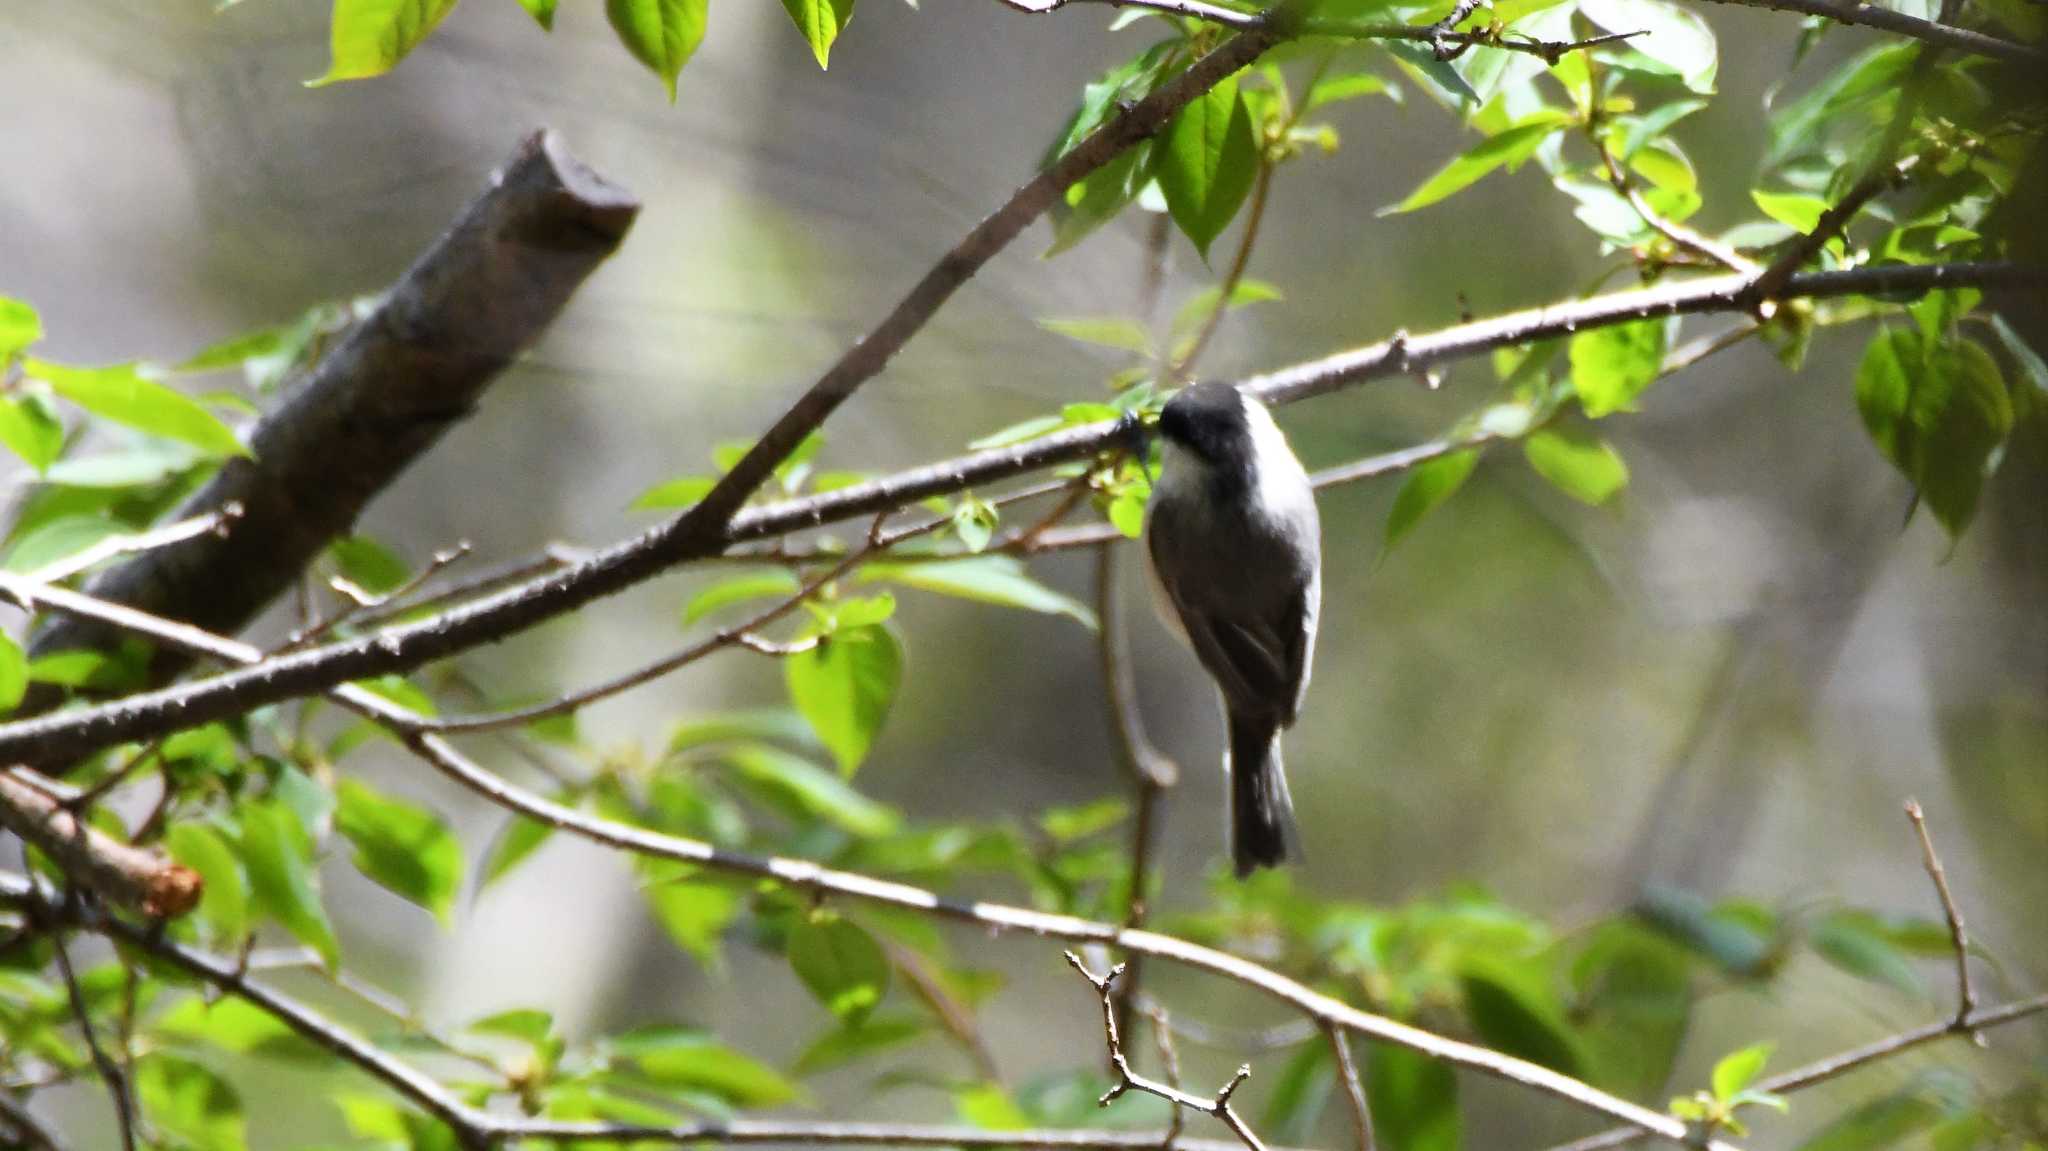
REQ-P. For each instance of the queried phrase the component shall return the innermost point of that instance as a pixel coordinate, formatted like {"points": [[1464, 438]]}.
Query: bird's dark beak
{"points": [[1134, 433]]}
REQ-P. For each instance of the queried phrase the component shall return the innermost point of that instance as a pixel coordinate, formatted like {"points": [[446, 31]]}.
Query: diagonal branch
{"points": [[1354, 1088], [59, 738], [1966, 996], [121, 873], [382, 396]]}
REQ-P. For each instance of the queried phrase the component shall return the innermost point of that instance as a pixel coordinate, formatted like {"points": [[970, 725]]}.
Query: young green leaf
{"points": [[519, 839], [1799, 212], [30, 430], [1520, 1016], [684, 1060], [20, 326], [542, 11], [662, 34], [235, 1026], [1000, 580], [1677, 38], [275, 850], [368, 564], [1508, 147], [402, 846], [121, 393], [224, 896], [681, 492], [844, 687], [1119, 332], [841, 964], [975, 522], [1427, 487], [369, 37], [13, 673], [1582, 466], [820, 21], [1612, 365], [774, 583], [1189, 317], [1852, 942], [1206, 163], [804, 791], [1734, 1073], [695, 913], [865, 1040], [186, 1101]]}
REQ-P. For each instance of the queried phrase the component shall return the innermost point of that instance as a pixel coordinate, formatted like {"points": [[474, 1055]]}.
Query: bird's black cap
{"points": [[1208, 420]]}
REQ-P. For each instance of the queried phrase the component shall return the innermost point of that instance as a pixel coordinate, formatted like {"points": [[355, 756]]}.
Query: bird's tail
{"points": [[1262, 832]]}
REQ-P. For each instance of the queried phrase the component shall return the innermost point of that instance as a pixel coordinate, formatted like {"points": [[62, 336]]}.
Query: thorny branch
{"points": [[57, 739], [1129, 1080]]}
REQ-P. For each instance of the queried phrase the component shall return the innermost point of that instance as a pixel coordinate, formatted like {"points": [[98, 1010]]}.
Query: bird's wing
{"points": [[1257, 662]]}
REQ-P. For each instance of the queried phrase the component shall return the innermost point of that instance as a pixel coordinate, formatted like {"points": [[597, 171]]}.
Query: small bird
{"points": [[1235, 552]]}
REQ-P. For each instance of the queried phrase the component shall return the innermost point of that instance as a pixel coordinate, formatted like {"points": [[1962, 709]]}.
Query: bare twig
{"points": [[1929, 31], [1439, 43], [1169, 1065], [1197, 9], [1354, 1088], [213, 523], [1129, 1080], [134, 877], [360, 602], [1454, 44], [57, 739], [1966, 996], [111, 1074]]}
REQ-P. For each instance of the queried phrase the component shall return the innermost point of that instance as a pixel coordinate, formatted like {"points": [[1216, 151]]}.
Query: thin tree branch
{"points": [[1966, 996], [1770, 283], [21, 1124], [1439, 40], [1255, 214], [111, 1074], [216, 523], [1208, 13], [59, 738], [360, 602], [383, 394], [1169, 1065], [1686, 239], [1929, 31], [1129, 1080], [803, 875], [1354, 1088], [121, 873]]}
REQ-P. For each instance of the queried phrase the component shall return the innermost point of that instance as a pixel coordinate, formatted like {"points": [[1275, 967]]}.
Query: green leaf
{"points": [[1677, 38], [777, 724], [1098, 197], [661, 34], [1119, 332], [1067, 824], [804, 790], [1653, 125], [1299, 1095], [1000, 580], [1508, 147], [13, 673], [402, 846], [681, 492], [1884, 1122], [1519, 1015], [688, 1060], [774, 583], [224, 898], [235, 1026], [20, 326], [188, 1102], [1336, 87], [520, 838], [841, 963], [1801, 213], [1193, 314], [275, 850], [1612, 365], [1426, 488], [695, 912], [860, 1042], [1734, 1073], [1206, 162], [1414, 1100], [1582, 466], [975, 522], [368, 564], [1940, 412], [820, 21], [121, 393], [1732, 942], [369, 37], [1853, 943], [30, 430], [844, 687], [542, 11], [2032, 368], [989, 1107], [59, 539], [1632, 1001]]}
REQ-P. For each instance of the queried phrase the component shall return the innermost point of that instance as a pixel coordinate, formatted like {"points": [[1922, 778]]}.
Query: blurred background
{"points": [[1727, 681]]}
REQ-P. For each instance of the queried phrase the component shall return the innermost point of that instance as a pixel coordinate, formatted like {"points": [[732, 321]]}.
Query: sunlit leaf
{"points": [[1508, 148], [187, 1101], [1000, 580], [1676, 37], [820, 21], [31, 430], [1425, 489], [224, 896], [275, 850], [1582, 466], [1414, 1100], [402, 846], [1612, 365], [844, 686], [804, 790], [1119, 332], [662, 34], [773, 583], [13, 673], [121, 393], [20, 326], [840, 963], [1734, 1073], [1206, 163], [369, 37]]}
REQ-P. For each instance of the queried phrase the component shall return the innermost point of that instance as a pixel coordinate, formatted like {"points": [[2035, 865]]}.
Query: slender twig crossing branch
{"points": [[1354, 1088], [1129, 1080], [111, 1074], [1959, 937], [214, 523]]}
